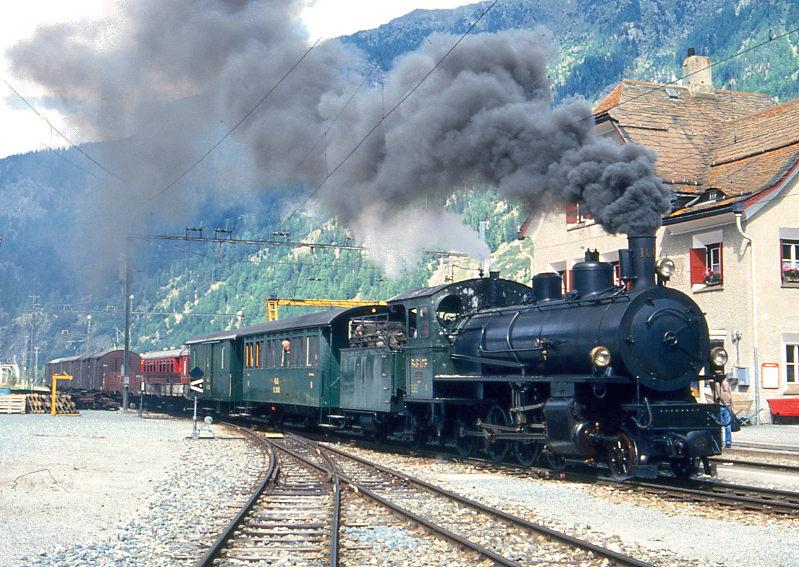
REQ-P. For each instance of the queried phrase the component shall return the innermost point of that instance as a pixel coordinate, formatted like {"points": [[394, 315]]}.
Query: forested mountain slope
{"points": [[181, 289]]}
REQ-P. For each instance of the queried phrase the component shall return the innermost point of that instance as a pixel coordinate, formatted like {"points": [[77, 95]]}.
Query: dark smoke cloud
{"points": [[160, 83], [176, 74], [486, 117]]}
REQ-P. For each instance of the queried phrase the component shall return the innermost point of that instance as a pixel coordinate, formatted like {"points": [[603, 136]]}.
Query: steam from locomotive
{"points": [[155, 80]]}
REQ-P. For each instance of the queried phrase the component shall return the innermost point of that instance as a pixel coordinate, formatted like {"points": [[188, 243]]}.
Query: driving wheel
{"points": [[526, 453], [466, 445], [622, 456], [497, 450]]}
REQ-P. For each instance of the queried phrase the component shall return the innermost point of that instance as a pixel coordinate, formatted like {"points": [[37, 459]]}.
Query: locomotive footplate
{"points": [[678, 430], [569, 378]]}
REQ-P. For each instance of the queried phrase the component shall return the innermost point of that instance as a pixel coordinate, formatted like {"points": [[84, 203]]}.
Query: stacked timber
{"points": [[41, 403], [12, 403]]}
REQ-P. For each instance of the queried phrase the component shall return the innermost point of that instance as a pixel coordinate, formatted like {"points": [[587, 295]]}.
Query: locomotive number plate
{"points": [[418, 362]]}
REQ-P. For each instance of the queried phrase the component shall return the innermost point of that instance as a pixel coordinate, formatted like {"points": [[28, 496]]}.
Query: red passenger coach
{"points": [[165, 372]]}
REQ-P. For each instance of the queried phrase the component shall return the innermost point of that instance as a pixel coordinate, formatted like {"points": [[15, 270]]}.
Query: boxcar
{"points": [[99, 371]]}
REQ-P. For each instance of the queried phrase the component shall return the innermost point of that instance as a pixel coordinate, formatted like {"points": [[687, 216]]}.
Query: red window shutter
{"points": [[571, 213], [698, 268]]}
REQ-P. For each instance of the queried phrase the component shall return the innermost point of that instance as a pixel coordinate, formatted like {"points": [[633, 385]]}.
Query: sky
{"points": [[22, 131]]}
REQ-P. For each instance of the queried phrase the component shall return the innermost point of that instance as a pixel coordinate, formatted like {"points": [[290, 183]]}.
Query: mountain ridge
{"points": [[599, 44]]}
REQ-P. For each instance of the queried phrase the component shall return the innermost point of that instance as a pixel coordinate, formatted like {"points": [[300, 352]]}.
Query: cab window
{"points": [[418, 322]]}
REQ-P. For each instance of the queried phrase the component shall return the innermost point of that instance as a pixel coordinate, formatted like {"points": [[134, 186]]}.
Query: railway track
{"points": [[764, 500], [771, 501], [500, 537], [742, 497], [291, 518], [766, 447], [782, 467]]}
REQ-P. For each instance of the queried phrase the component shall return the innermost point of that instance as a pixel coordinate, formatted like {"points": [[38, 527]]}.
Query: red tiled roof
{"points": [[682, 130], [738, 142]]}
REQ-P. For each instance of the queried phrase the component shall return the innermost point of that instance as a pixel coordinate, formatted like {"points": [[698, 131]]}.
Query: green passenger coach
{"points": [[290, 367], [374, 369]]}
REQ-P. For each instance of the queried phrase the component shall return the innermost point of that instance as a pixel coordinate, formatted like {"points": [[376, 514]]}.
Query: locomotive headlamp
{"points": [[600, 356], [665, 267], [718, 356]]}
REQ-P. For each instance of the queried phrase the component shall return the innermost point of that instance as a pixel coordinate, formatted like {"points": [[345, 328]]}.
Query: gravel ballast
{"points": [[662, 532], [123, 490]]}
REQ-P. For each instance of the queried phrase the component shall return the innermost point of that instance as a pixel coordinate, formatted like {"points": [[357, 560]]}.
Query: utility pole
{"points": [[32, 342], [89, 333], [35, 362], [125, 275]]}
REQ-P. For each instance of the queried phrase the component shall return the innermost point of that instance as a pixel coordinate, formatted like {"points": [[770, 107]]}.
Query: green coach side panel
{"points": [[367, 376], [220, 362], [273, 374]]}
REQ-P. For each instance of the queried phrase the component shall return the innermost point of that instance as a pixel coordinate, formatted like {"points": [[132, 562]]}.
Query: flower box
{"points": [[790, 275]]}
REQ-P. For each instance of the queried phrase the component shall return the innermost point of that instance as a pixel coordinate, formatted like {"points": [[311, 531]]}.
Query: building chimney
{"points": [[698, 74]]}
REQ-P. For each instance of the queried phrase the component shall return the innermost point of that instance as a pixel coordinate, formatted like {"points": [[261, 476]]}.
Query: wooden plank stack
{"points": [[40, 403], [12, 403]]}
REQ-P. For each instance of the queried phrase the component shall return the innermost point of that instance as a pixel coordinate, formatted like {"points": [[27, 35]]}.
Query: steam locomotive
{"points": [[601, 373]]}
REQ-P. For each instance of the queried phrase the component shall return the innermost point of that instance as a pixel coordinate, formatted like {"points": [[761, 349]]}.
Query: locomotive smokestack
{"points": [[642, 260]]}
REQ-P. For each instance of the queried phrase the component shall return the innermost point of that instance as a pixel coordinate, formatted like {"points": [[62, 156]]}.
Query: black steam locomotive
{"points": [[601, 373]]}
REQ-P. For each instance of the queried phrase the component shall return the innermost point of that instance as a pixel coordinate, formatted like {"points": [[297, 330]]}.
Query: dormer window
{"points": [[709, 196], [672, 93]]}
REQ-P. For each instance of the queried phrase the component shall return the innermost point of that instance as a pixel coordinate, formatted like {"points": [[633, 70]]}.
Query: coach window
{"points": [[259, 346], [270, 353], [248, 355], [285, 352], [299, 356], [312, 351]]}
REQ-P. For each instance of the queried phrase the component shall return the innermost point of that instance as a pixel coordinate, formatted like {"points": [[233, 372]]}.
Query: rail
{"points": [[221, 540], [563, 538]]}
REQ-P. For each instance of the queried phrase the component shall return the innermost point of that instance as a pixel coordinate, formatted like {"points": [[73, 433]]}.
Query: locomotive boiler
{"points": [[617, 361]]}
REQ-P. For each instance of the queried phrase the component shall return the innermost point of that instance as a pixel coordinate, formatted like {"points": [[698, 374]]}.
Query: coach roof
{"points": [[309, 320]]}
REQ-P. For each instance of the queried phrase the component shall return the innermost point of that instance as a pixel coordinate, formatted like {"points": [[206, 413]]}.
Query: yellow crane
{"points": [[273, 303]]}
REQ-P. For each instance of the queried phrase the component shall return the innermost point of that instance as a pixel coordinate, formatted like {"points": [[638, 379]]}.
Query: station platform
{"points": [[774, 435]]}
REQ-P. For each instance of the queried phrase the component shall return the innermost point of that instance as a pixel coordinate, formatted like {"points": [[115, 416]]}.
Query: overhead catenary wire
{"points": [[392, 110], [714, 64], [59, 132], [329, 127], [66, 159], [236, 126]]}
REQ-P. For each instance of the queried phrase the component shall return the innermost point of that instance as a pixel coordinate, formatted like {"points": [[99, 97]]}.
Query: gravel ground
{"points": [[122, 491], [652, 529]]}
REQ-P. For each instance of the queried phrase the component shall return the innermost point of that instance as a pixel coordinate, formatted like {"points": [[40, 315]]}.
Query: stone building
{"points": [[731, 159]]}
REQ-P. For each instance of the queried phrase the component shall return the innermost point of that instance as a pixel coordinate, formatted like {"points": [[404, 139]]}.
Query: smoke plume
{"points": [[168, 77]]}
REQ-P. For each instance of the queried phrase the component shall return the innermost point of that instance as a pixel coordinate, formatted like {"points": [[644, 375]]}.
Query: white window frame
{"points": [[793, 261], [703, 240], [795, 364]]}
